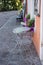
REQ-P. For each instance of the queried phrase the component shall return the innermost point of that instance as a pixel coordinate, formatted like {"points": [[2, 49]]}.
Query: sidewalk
{"points": [[16, 49]]}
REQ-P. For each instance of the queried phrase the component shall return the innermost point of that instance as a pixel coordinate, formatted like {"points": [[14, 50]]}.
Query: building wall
{"points": [[36, 36], [25, 12], [41, 32], [26, 6], [30, 7], [41, 21], [38, 33]]}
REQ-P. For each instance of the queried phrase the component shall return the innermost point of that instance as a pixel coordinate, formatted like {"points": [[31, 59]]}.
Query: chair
{"points": [[20, 16]]}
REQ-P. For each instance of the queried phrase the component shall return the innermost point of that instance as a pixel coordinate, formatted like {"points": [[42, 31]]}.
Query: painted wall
{"points": [[38, 33], [36, 36], [42, 21], [41, 32], [30, 7]]}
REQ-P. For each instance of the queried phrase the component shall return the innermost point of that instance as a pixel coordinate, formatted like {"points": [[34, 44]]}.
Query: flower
{"points": [[24, 19], [32, 29]]}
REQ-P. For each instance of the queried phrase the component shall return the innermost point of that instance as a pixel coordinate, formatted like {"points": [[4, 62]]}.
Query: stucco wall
{"points": [[30, 7], [41, 21], [36, 36], [41, 31]]}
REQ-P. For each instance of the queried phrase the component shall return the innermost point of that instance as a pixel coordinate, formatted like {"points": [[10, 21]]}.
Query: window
{"points": [[37, 7]]}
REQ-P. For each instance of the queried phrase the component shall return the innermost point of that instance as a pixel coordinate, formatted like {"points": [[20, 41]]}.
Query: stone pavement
{"points": [[16, 49], [4, 16]]}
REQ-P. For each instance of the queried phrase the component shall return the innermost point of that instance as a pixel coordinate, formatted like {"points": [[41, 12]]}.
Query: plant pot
{"points": [[32, 29], [27, 19]]}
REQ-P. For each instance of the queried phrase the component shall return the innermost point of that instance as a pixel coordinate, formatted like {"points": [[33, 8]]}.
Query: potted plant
{"points": [[28, 16], [31, 23]]}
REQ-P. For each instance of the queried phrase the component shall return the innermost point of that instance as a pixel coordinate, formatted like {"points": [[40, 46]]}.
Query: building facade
{"points": [[35, 9]]}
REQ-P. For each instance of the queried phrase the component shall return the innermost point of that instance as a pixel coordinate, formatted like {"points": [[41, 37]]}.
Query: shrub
{"points": [[31, 23], [28, 16]]}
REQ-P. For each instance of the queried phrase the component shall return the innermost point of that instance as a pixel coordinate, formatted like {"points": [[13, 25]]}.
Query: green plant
{"points": [[28, 16], [7, 5], [31, 23]]}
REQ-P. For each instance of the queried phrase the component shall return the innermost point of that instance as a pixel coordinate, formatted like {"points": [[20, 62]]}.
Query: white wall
{"points": [[24, 1], [31, 8], [31, 11], [41, 31], [42, 21], [28, 6]]}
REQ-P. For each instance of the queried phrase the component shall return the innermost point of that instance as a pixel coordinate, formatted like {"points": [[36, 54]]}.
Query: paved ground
{"points": [[16, 49], [4, 16]]}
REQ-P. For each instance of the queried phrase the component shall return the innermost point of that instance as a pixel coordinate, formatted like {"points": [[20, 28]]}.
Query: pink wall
{"points": [[36, 36]]}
